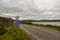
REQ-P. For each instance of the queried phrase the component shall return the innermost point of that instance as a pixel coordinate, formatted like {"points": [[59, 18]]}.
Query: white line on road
{"points": [[31, 34]]}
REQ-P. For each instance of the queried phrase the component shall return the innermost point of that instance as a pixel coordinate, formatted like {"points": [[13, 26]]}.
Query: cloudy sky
{"points": [[30, 9]]}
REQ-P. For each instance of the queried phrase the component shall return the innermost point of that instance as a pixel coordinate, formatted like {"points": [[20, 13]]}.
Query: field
{"points": [[9, 32]]}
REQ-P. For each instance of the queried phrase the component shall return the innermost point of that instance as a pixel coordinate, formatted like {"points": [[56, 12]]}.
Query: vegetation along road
{"points": [[8, 30], [37, 33]]}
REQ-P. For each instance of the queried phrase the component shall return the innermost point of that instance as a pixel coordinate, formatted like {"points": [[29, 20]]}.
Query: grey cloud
{"points": [[27, 9]]}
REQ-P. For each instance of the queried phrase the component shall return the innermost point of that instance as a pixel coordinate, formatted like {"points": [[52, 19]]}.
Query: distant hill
{"points": [[49, 20], [41, 20], [6, 21]]}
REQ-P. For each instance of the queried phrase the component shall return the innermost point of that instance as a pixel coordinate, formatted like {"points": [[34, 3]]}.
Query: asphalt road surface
{"points": [[37, 33]]}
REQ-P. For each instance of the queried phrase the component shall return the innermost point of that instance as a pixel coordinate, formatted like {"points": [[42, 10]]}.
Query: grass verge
{"points": [[13, 34], [9, 32]]}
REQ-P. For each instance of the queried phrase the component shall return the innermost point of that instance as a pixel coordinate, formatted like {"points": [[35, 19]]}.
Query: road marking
{"points": [[31, 34]]}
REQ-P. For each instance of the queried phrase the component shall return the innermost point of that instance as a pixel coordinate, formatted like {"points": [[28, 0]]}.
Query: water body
{"points": [[48, 23]]}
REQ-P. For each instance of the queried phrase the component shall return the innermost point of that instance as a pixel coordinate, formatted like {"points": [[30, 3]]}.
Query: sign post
{"points": [[17, 22]]}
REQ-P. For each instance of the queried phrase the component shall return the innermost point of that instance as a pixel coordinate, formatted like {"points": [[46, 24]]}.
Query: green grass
{"points": [[9, 32], [13, 34], [57, 28]]}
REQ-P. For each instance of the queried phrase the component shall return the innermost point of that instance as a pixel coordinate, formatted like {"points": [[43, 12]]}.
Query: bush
{"points": [[2, 31]]}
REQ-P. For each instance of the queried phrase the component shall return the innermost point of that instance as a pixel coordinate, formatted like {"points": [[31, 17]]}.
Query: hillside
{"points": [[9, 32]]}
